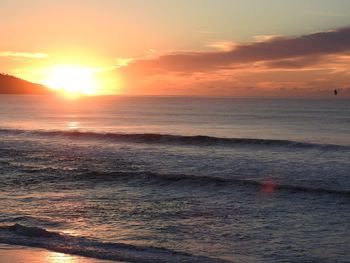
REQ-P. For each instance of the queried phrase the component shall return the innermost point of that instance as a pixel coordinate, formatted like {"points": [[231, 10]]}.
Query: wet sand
{"points": [[18, 254]]}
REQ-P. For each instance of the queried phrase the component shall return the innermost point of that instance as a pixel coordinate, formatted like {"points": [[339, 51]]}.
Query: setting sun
{"points": [[72, 80]]}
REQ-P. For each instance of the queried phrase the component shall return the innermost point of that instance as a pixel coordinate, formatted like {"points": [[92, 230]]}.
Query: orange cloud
{"points": [[288, 64], [23, 54], [222, 45]]}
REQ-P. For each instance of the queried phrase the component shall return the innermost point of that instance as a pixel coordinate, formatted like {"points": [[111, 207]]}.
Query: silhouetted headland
{"points": [[13, 85]]}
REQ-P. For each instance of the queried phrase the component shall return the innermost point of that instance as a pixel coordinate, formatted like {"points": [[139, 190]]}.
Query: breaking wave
{"points": [[193, 180], [41, 238], [195, 140]]}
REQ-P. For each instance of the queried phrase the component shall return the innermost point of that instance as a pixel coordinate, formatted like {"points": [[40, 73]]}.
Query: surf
{"points": [[18, 234], [171, 139]]}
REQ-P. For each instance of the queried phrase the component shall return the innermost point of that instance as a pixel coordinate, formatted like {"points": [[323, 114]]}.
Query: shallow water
{"points": [[245, 180]]}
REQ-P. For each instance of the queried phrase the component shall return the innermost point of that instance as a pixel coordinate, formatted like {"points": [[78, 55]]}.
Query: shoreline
{"points": [[22, 254]]}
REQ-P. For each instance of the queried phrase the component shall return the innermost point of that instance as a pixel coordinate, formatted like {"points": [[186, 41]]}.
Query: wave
{"points": [[41, 238], [195, 140], [210, 183], [30, 220], [193, 180], [45, 175]]}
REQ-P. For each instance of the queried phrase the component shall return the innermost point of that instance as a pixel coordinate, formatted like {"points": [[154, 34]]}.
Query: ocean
{"points": [[177, 179]]}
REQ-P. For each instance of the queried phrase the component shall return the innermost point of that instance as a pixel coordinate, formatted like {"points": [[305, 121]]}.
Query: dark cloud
{"points": [[286, 52], [294, 63]]}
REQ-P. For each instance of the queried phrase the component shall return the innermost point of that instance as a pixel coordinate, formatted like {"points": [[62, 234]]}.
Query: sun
{"points": [[72, 80]]}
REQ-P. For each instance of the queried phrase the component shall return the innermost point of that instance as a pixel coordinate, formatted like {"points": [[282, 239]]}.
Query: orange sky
{"points": [[207, 47]]}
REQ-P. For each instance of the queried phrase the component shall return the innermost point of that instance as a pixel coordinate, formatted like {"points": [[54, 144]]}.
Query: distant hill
{"points": [[12, 85]]}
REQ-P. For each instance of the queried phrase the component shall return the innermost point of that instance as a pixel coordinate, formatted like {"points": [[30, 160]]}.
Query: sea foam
{"points": [[41, 238]]}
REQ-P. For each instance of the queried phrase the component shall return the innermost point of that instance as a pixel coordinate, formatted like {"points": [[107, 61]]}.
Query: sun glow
{"points": [[73, 80]]}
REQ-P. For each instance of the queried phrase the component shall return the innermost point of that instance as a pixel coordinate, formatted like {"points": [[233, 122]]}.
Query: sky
{"points": [[185, 47]]}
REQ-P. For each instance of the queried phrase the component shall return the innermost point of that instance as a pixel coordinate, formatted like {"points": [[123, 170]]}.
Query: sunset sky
{"points": [[186, 47]]}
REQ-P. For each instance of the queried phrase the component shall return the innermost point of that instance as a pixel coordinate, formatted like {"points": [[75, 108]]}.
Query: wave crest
{"points": [[195, 140], [194, 180], [38, 237]]}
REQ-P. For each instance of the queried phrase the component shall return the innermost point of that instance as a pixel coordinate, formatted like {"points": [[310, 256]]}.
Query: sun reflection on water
{"points": [[73, 125], [55, 257]]}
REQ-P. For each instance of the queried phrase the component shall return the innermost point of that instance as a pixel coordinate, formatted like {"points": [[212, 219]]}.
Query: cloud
{"points": [[23, 55], [312, 46], [222, 45], [288, 63], [294, 63], [264, 38]]}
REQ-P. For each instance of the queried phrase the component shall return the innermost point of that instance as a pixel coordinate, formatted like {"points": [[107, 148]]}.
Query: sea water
{"points": [[177, 179]]}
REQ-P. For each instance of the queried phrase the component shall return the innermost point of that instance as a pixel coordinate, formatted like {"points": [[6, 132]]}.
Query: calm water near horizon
{"points": [[178, 179]]}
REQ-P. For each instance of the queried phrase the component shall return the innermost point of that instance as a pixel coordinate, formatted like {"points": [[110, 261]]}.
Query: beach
{"points": [[17, 254]]}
